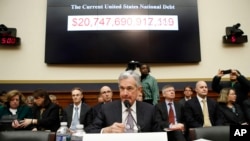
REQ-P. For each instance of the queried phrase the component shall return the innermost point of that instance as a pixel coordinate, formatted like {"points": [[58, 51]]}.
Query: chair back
{"points": [[214, 133], [27, 136]]}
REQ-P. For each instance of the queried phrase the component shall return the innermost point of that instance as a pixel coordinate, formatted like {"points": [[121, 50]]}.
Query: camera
{"points": [[132, 65], [227, 71]]}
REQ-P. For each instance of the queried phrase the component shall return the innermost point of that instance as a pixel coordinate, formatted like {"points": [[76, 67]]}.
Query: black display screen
{"points": [[117, 31]]}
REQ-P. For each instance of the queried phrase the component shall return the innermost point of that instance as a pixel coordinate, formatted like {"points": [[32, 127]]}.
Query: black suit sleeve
{"points": [[246, 108], [216, 84], [160, 118]]}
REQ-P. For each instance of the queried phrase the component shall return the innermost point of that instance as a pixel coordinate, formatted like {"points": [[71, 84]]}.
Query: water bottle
{"points": [[63, 133], [78, 134]]}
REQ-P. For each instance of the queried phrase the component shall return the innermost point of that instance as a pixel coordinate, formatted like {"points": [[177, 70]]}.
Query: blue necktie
{"points": [[75, 120]]}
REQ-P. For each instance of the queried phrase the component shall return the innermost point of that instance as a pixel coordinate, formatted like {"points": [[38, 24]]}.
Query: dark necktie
{"points": [[171, 114], [130, 122]]}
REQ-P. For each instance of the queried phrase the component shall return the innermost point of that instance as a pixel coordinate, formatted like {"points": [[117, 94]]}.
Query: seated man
{"points": [[115, 117], [106, 94], [202, 111], [78, 112], [169, 115]]}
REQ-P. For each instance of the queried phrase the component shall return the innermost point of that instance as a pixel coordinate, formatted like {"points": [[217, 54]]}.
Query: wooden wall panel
{"points": [[90, 97]]}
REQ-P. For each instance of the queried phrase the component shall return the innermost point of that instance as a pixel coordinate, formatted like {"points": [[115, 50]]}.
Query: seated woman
{"points": [[14, 110], [46, 113], [232, 112]]}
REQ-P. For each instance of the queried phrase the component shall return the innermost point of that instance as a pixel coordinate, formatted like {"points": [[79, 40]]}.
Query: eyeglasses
{"points": [[104, 92]]}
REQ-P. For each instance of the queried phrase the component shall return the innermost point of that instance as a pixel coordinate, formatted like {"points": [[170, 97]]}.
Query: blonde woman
{"points": [[232, 112]]}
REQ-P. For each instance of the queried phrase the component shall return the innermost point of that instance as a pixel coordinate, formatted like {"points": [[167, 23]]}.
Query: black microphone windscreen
{"points": [[127, 104]]}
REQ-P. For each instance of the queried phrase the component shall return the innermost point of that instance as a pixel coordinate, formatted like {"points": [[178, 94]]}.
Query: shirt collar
{"points": [[167, 101], [200, 99], [78, 105], [133, 107]]}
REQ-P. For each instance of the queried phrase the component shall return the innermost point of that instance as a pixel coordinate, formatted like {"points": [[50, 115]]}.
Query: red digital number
{"points": [[8, 40], [3, 41]]}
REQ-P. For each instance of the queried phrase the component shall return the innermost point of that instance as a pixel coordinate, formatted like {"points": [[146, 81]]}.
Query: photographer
{"points": [[237, 82]]}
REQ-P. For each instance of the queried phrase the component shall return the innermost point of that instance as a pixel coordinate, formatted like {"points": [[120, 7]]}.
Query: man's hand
{"points": [[114, 128], [178, 126]]}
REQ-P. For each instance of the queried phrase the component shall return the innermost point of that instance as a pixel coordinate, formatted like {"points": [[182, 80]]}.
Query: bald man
{"points": [[193, 109], [106, 94]]}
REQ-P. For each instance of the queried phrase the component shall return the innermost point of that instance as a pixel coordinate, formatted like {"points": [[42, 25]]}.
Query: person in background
{"points": [[114, 115], [150, 87], [15, 107], [202, 111], [30, 100], [188, 92], [46, 113], [237, 81], [100, 98], [78, 112], [175, 122], [53, 99], [2, 93], [107, 95], [140, 96], [246, 109], [232, 112]]}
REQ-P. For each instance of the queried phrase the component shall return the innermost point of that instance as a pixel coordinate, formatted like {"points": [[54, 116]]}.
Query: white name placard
{"points": [[156, 136]]}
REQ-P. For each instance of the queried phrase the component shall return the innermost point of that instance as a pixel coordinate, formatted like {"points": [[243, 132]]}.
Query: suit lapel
{"points": [[118, 110], [197, 104], [140, 114], [177, 111], [164, 110], [71, 112]]}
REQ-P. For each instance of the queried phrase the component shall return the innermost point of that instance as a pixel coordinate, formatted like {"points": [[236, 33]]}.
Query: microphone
{"points": [[128, 105]]}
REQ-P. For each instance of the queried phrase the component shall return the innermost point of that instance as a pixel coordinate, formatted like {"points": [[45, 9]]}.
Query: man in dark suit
{"points": [[193, 110], [113, 116], [106, 94], [85, 115], [188, 92], [162, 115]]}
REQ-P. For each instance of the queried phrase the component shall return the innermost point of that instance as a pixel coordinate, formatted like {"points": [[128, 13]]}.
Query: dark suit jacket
{"points": [[112, 112], [194, 115], [97, 109], [161, 118], [230, 118], [161, 114], [182, 102], [246, 109], [49, 120], [86, 115]]}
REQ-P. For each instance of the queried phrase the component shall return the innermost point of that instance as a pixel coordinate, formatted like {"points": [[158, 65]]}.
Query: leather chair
{"points": [[214, 133], [27, 136]]}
